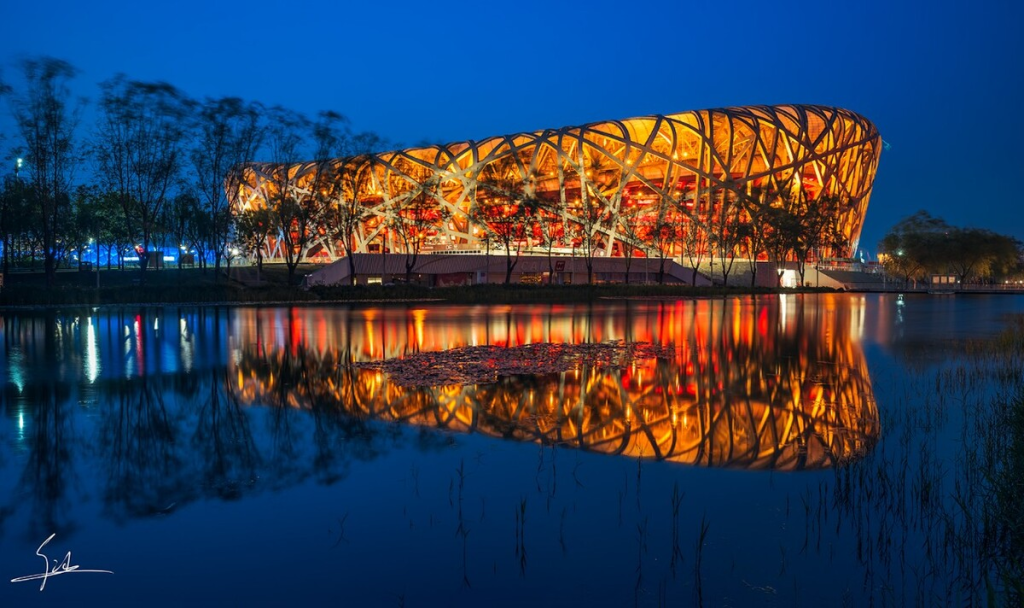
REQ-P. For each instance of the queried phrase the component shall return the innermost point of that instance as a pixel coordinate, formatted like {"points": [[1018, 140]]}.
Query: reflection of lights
{"points": [[860, 307], [783, 309], [92, 359], [186, 345], [597, 410], [370, 337], [418, 316], [16, 373]]}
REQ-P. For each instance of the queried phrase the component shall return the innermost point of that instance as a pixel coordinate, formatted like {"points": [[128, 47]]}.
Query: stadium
{"points": [[677, 188]]}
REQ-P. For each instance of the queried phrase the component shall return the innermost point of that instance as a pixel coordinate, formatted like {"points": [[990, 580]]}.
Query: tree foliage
{"points": [[139, 149], [47, 116], [921, 245]]}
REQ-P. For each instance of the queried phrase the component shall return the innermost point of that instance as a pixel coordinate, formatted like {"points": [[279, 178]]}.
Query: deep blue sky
{"points": [[942, 80]]}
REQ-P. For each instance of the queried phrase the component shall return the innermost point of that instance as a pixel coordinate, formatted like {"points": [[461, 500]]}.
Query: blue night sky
{"points": [[942, 80]]}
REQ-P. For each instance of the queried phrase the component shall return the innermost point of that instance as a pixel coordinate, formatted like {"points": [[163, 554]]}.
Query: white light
{"points": [[92, 358]]}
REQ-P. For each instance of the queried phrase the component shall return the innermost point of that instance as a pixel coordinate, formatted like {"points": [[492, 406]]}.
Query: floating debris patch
{"points": [[484, 364]]}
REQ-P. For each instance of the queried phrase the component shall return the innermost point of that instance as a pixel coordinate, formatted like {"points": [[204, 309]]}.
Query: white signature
{"points": [[63, 567]]}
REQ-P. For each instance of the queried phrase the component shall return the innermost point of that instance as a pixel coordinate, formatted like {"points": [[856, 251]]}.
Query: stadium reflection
{"points": [[756, 383]]}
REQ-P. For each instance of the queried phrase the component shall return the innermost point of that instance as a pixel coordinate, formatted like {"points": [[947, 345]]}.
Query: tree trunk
{"points": [[509, 266], [50, 267], [551, 267]]}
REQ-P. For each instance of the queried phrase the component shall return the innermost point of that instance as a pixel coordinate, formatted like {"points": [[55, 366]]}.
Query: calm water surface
{"points": [[256, 455]]}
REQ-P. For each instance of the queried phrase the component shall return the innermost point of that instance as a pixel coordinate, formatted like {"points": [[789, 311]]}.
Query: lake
{"points": [[769, 450]]}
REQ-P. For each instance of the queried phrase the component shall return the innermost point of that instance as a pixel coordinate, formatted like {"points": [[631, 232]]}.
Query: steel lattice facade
{"points": [[680, 169]]}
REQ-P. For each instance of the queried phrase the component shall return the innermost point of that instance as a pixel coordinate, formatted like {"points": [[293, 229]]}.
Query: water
{"points": [[233, 455]]}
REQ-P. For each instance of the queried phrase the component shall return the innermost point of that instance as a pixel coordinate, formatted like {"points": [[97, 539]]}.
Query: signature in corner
{"points": [[62, 567]]}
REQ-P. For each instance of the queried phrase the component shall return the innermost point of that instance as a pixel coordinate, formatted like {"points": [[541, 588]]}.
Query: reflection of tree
{"points": [[787, 399], [282, 458], [339, 434], [31, 343], [224, 444], [140, 440], [49, 470], [162, 440]]}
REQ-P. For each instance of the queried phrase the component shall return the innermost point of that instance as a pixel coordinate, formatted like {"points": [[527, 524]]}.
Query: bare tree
{"points": [[550, 220], [46, 118], [816, 229], [781, 234], [416, 215], [324, 181], [349, 210], [253, 228], [347, 215], [295, 213], [228, 134], [180, 218], [139, 149], [601, 189], [661, 230], [729, 231], [695, 237], [757, 207], [507, 209], [630, 235]]}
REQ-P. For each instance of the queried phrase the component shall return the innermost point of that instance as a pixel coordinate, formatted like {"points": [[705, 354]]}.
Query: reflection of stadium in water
{"points": [[765, 383]]}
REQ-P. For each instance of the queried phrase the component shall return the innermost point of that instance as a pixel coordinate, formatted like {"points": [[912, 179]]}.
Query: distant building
{"points": [[655, 186]]}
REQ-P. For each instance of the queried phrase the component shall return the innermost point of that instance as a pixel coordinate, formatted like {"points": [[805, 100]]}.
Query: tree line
{"points": [[922, 245], [149, 172]]}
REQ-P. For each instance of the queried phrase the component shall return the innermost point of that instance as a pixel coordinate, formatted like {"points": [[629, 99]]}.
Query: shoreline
{"points": [[206, 288]]}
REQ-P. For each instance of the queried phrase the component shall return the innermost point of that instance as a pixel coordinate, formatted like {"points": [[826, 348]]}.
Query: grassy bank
{"points": [[243, 286], [164, 286]]}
